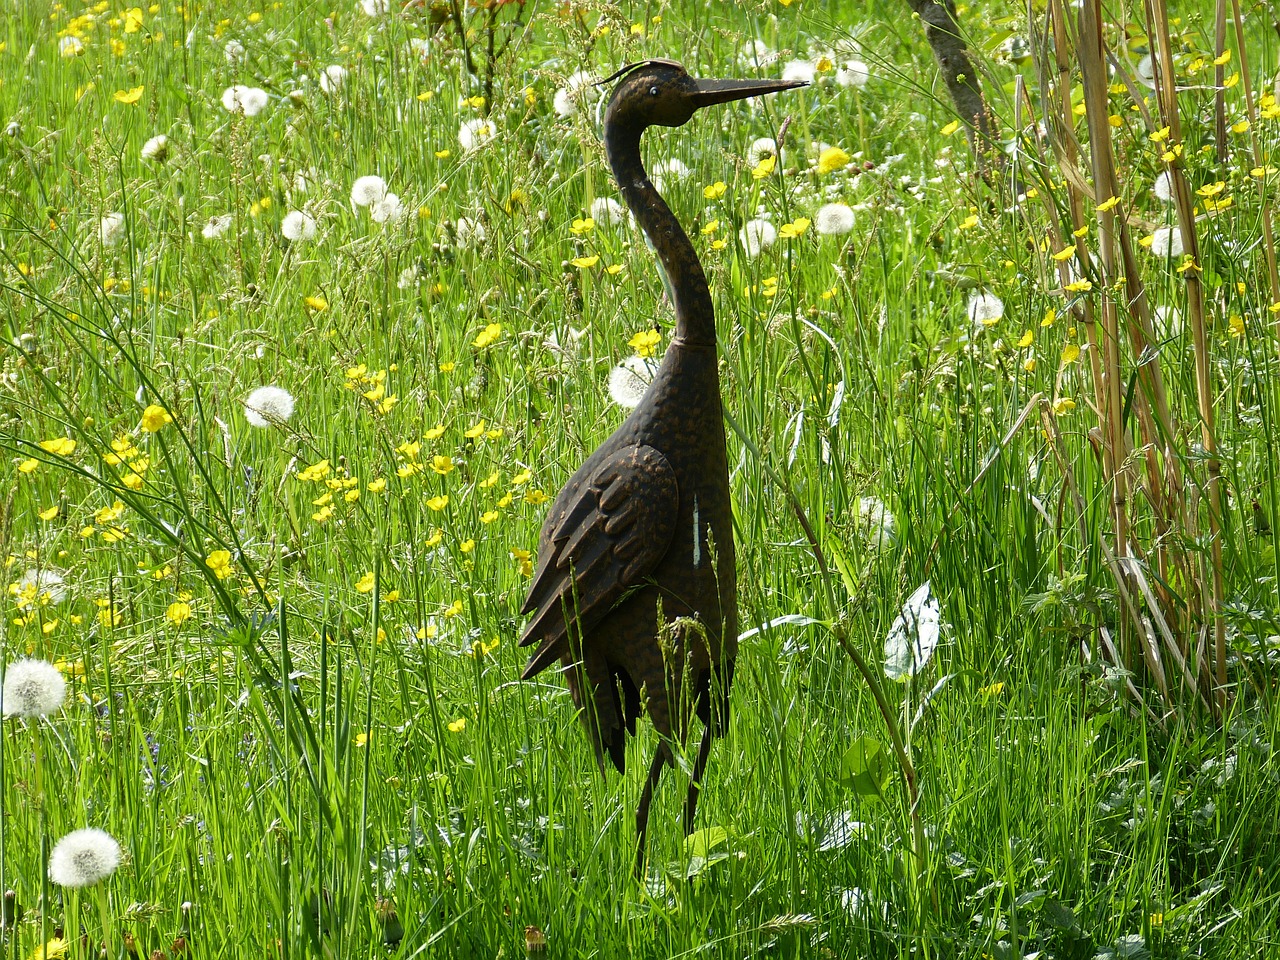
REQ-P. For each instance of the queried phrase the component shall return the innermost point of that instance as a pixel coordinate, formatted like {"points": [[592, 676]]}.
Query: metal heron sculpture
{"points": [[635, 591]]}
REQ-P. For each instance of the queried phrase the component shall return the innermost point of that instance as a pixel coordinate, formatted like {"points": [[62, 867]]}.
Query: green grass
{"points": [[263, 817]]}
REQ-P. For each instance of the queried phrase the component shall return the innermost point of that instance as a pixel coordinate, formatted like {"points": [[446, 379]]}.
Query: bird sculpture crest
{"points": [[635, 591]]}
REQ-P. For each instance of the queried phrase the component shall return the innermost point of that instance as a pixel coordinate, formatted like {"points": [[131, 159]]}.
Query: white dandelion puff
{"points": [[984, 309], [878, 525], [297, 226], [675, 169], [761, 149], [852, 73], [629, 381], [409, 277], [216, 226], [387, 210], [32, 688], [607, 212], [250, 101], [914, 635], [579, 91], [374, 8], [233, 51], [833, 219], [755, 53], [367, 191], [420, 47], [803, 70], [43, 586], [110, 230], [757, 236], [268, 406], [332, 78], [156, 149], [1163, 187], [1168, 321], [469, 233], [1166, 242], [474, 134], [83, 858]]}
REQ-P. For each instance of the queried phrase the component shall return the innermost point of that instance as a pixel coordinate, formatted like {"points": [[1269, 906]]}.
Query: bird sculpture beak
{"points": [[723, 91]]}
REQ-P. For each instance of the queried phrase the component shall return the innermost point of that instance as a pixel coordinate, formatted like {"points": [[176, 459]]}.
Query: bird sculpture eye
{"points": [[653, 91]]}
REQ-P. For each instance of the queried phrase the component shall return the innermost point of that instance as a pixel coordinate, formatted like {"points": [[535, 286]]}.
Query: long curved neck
{"points": [[695, 318]]}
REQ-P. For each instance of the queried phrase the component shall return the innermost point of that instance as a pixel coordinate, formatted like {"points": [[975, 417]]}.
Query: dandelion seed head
{"points": [[217, 226], [83, 858], [475, 133], [852, 73], [579, 91], [387, 210], [250, 101], [332, 78], [1166, 242], [297, 226], [156, 149], [755, 53], [761, 148], [802, 70], [268, 406], [31, 688], [1163, 187], [233, 51], [374, 8], [629, 381], [984, 309], [48, 584], [367, 191], [833, 219], [469, 233], [111, 229], [607, 212], [756, 236]]}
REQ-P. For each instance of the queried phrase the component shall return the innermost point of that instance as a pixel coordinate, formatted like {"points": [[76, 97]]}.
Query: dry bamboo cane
{"points": [[1167, 99]]}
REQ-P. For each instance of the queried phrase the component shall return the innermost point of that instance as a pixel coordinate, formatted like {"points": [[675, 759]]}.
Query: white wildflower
{"points": [[1166, 242], [675, 169], [70, 47], [420, 47], [156, 149], [217, 226], [233, 51], [409, 277], [913, 636], [756, 236], [43, 586], [607, 212], [332, 78], [803, 70], [833, 219], [83, 858], [474, 134], [110, 229], [876, 523], [297, 225], [1163, 187], [367, 191], [268, 406], [761, 149], [984, 309], [32, 688], [629, 381], [374, 8], [247, 100], [387, 210]]}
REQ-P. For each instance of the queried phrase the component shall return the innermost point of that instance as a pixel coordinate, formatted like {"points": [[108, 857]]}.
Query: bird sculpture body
{"points": [[635, 591]]}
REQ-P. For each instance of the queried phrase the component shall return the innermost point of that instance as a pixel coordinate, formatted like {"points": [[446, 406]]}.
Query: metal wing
{"points": [[604, 535]]}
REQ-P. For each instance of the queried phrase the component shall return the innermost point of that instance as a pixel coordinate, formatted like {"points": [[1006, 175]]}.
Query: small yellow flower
{"points": [[155, 417], [489, 481], [365, 583], [378, 485], [317, 471], [1070, 353], [832, 159], [434, 433], [1026, 339], [715, 190], [521, 478], [1066, 253], [488, 336], [764, 167], [1107, 204], [51, 513], [62, 446], [457, 726], [489, 516], [581, 226], [992, 690], [950, 128], [132, 20], [585, 263], [1050, 315], [361, 739], [475, 431], [220, 563], [796, 228], [1063, 406], [438, 503], [442, 465], [645, 343], [178, 613], [1079, 286], [28, 466], [466, 546], [131, 96], [316, 304]]}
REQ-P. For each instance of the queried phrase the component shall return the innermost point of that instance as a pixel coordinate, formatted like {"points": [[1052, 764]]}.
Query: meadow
{"points": [[308, 311]]}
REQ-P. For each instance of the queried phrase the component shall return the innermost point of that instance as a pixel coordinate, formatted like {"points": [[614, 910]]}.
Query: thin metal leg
{"points": [[642, 811], [695, 781]]}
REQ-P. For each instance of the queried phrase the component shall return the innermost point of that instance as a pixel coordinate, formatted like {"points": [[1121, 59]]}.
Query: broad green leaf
{"points": [[865, 767]]}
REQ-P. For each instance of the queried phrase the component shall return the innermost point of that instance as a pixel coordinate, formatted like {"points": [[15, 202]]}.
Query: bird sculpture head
{"points": [[661, 93]]}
